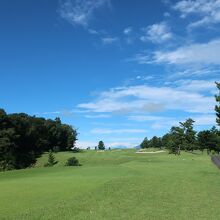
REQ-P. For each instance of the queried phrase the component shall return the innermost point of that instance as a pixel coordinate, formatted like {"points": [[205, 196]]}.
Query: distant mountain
{"points": [[138, 147], [119, 147]]}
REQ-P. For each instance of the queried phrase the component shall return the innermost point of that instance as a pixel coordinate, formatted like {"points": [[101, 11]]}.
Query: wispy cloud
{"points": [[197, 53], [145, 98], [93, 31], [109, 40], [157, 33], [206, 86], [208, 11], [195, 72], [162, 122], [128, 30], [119, 142], [97, 116], [80, 12], [140, 58], [116, 131], [62, 113], [144, 118]]}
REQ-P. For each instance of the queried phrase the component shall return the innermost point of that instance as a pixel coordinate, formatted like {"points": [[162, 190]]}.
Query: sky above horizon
{"points": [[118, 71]]}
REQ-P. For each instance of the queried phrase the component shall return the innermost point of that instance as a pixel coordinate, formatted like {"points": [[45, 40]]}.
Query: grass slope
{"points": [[114, 185]]}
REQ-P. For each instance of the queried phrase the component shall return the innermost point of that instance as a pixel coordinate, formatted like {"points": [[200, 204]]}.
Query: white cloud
{"points": [[51, 113], [109, 40], [166, 14], [80, 12], [196, 85], [122, 143], [167, 122], [144, 78], [203, 54], [127, 30], [157, 33], [145, 98], [85, 144], [196, 72], [92, 31], [140, 58], [116, 131], [92, 144], [207, 119], [207, 10], [143, 118], [97, 116]]}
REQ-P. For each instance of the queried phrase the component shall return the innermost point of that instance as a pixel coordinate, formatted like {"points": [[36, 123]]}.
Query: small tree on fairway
{"points": [[51, 160], [101, 145]]}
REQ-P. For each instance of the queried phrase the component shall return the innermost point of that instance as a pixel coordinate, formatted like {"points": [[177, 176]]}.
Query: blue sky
{"points": [[118, 71]]}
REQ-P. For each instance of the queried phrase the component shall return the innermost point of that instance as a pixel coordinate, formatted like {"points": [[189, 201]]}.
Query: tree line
{"points": [[184, 137], [23, 138]]}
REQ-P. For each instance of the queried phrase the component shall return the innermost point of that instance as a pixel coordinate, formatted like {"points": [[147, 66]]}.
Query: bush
{"points": [[76, 150], [72, 162]]}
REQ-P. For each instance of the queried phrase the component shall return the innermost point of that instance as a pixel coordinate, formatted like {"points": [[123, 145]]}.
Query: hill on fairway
{"points": [[114, 185]]}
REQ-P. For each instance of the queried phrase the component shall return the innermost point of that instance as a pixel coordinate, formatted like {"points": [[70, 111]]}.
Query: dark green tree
{"points": [[72, 162], [23, 138], [145, 143], [101, 145], [217, 107], [189, 135], [210, 140], [166, 141], [176, 140], [155, 142], [51, 160]]}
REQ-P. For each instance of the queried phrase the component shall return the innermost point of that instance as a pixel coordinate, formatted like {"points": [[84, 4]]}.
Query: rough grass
{"points": [[114, 185]]}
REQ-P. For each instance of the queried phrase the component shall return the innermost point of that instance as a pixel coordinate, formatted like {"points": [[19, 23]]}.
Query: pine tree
{"points": [[189, 141], [51, 160], [217, 107], [145, 143]]}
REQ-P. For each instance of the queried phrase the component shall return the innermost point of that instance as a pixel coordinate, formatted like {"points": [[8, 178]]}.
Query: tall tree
{"points": [[217, 107], [155, 142], [145, 143], [189, 135], [176, 140]]}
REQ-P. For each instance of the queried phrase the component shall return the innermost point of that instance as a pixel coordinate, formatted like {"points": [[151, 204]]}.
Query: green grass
{"points": [[114, 185]]}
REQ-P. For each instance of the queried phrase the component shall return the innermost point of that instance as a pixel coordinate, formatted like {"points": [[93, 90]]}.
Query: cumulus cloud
{"points": [[157, 33], [80, 12]]}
